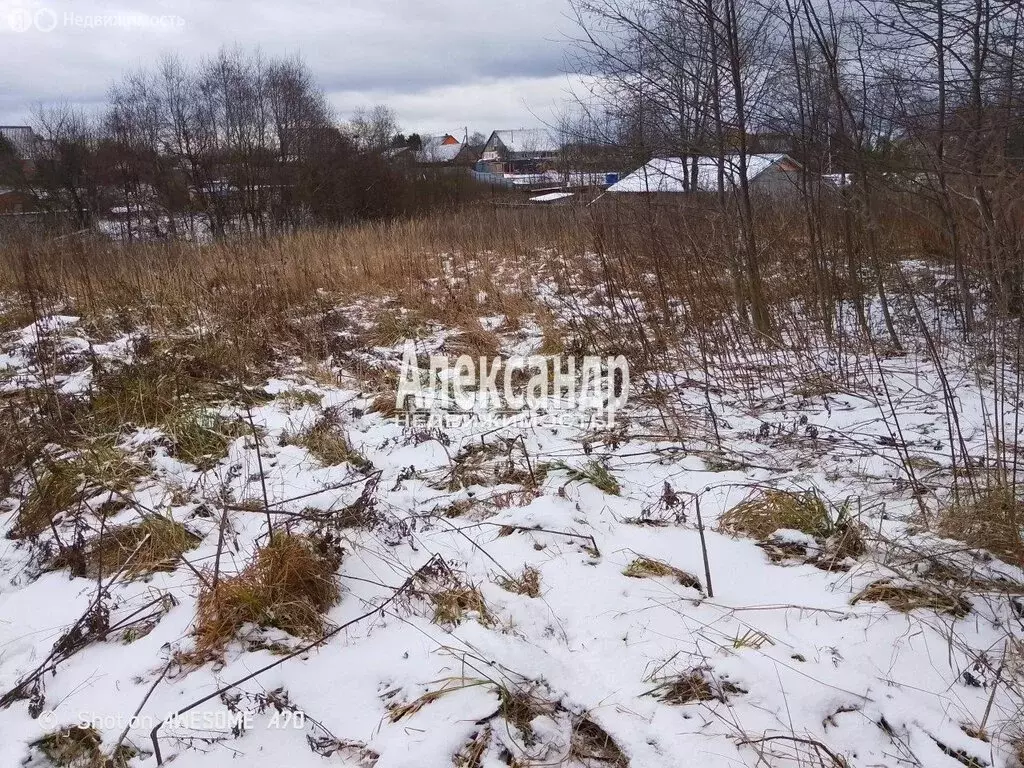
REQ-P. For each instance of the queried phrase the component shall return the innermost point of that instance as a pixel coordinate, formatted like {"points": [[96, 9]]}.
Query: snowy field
{"points": [[535, 597]]}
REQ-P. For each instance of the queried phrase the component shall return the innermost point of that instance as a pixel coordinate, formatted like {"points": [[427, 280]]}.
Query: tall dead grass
{"points": [[656, 268]]}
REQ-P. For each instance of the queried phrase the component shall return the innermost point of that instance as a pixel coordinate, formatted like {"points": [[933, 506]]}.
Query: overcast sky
{"points": [[443, 65]]}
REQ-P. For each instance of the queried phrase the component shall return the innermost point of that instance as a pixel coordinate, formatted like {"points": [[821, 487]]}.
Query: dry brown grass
{"points": [[686, 689], [526, 583], [79, 747], [590, 742], [293, 399], [475, 341], [271, 292], [992, 520], [911, 597], [289, 584], [56, 489], [522, 704], [1017, 745], [385, 405], [281, 295], [328, 444], [165, 378], [817, 385], [450, 685], [649, 568], [14, 453], [60, 484], [767, 511], [696, 685], [393, 326], [455, 604], [160, 542], [472, 755], [170, 386]]}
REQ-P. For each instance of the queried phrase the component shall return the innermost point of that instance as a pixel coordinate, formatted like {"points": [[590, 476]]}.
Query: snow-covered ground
{"points": [[783, 666]]}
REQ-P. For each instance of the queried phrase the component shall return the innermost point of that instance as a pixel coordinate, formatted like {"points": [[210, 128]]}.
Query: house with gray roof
{"points": [[520, 150]]}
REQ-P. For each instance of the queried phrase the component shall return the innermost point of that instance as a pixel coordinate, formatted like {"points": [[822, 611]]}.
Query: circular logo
{"points": [[46, 20], [25, 19]]}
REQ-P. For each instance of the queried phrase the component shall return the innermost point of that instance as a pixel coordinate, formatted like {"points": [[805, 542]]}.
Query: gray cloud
{"points": [[442, 64]]}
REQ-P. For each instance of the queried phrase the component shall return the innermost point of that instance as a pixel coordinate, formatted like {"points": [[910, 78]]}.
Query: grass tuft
{"points": [[394, 326], [648, 568], [451, 685], [161, 543], [454, 604], [590, 742], [595, 473], [328, 444], [79, 747], [64, 482], [766, 512], [475, 341], [991, 520], [526, 583], [817, 385], [472, 755], [907, 598], [56, 489], [289, 585], [139, 394], [293, 399], [201, 438], [686, 689], [695, 685], [169, 387]]}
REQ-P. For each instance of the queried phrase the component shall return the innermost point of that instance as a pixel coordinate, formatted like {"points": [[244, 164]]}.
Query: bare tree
{"points": [[374, 128]]}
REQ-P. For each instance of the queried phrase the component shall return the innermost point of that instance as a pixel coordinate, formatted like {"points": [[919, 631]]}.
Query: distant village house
{"points": [[774, 174], [438, 150], [524, 150]]}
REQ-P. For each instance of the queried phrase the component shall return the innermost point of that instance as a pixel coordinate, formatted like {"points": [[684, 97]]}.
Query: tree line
{"points": [[917, 106], [238, 143]]}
